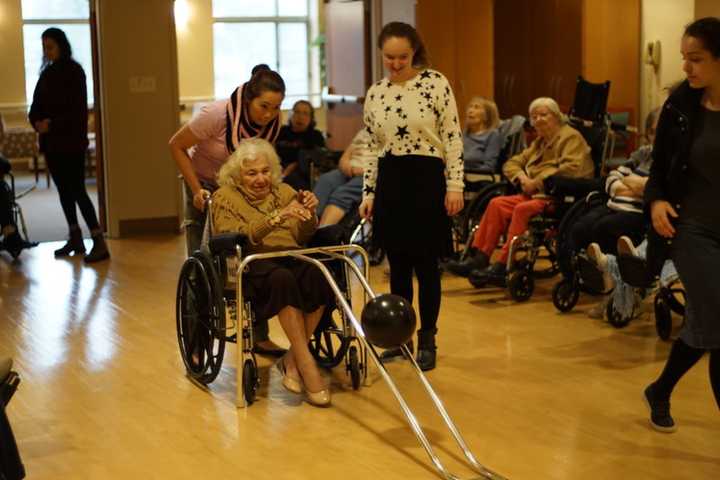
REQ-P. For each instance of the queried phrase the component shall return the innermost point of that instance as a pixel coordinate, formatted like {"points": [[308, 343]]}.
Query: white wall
{"points": [[662, 20]]}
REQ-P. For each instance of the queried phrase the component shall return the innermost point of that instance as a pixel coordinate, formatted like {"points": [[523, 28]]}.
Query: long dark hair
{"points": [[408, 32], [263, 79], [59, 37], [707, 30]]}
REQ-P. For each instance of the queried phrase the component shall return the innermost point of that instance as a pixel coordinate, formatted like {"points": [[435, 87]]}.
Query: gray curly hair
{"points": [[250, 149], [551, 105]]}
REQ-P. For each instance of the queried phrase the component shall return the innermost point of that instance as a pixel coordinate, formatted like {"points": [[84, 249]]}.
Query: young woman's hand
{"points": [[366, 208], [199, 199], [454, 202], [42, 126], [660, 212]]}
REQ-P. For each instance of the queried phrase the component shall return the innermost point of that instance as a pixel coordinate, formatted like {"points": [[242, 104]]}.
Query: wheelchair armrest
{"points": [[327, 236], [225, 243]]}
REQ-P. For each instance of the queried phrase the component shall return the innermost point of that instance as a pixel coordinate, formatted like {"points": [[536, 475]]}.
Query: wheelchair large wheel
{"points": [[250, 381], [521, 285], [565, 295], [200, 318], [329, 344], [616, 319], [663, 317]]}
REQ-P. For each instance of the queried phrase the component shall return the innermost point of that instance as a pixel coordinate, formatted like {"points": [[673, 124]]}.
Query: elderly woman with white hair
{"points": [[251, 200], [558, 150]]}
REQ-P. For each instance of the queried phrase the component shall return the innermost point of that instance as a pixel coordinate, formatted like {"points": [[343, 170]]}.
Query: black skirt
{"points": [[409, 209], [274, 284]]}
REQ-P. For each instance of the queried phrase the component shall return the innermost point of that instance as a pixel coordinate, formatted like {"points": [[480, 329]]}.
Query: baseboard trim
{"points": [[141, 226]]}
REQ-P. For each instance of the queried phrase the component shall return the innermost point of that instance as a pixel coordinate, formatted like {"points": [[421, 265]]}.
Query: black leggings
{"points": [[68, 173], [428, 274], [682, 358], [604, 226]]}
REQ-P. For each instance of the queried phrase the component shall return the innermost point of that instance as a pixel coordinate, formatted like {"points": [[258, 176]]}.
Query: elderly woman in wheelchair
{"points": [[558, 150], [273, 217]]}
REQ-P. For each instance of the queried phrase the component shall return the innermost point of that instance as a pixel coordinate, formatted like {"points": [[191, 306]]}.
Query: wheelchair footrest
{"points": [[591, 275], [8, 387], [634, 271]]}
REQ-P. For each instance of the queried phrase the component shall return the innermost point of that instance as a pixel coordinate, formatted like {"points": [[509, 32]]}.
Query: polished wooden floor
{"points": [[537, 394]]}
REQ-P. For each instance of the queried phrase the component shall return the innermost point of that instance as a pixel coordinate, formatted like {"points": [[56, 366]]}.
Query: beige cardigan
{"points": [[566, 154], [233, 212]]}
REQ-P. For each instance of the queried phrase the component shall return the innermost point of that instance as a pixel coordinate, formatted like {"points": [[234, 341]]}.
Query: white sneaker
{"points": [[600, 260], [598, 311], [626, 247], [597, 256]]}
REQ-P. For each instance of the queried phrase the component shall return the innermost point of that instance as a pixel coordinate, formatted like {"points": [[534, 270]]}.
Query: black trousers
{"points": [[402, 265], [68, 173], [605, 226]]}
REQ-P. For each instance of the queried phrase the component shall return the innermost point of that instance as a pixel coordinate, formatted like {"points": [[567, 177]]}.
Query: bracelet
{"points": [[274, 219]]}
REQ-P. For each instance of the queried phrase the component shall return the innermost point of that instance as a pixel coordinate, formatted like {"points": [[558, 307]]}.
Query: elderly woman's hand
{"points": [[454, 203], [295, 210], [308, 200], [528, 186]]}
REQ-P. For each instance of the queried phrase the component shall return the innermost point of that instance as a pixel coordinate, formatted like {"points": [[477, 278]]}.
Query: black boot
{"points": [[74, 243], [427, 350], [396, 352], [99, 251], [476, 260]]}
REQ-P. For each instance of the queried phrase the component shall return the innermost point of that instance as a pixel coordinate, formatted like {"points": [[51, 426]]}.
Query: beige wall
{"points": [[12, 73], [707, 8], [195, 43], [141, 180], [662, 20]]}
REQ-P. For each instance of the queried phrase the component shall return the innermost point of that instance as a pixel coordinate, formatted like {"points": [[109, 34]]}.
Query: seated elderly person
{"points": [[623, 213], [299, 134], [558, 150], [251, 200], [481, 141], [340, 190]]}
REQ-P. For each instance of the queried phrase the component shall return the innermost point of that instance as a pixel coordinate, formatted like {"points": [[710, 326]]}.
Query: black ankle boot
{"points": [[396, 352], [99, 251], [427, 350], [74, 243]]}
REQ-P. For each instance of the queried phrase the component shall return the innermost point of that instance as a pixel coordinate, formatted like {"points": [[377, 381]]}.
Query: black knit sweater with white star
{"points": [[416, 117]]}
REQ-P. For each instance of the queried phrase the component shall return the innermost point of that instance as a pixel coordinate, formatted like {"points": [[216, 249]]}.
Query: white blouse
{"points": [[416, 117]]}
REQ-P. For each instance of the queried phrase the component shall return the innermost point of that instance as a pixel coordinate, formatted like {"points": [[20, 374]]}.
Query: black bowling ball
{"points": [[388, 321]]}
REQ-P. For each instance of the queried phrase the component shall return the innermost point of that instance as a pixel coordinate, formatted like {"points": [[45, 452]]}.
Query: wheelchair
{"points": [[666, 289], [479, 182], [211, 310], [589, 116], [11, 467], [206, 299], [17, 217]]}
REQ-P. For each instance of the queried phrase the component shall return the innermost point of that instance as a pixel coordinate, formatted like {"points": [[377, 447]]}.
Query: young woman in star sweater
{"points": [[416, 183]]}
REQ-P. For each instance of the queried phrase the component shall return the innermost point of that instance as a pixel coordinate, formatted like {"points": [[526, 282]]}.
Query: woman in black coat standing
{"points": [[682, 194], [59, 114]]}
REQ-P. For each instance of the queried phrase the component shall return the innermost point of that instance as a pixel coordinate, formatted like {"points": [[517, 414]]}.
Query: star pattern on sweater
{"points": [[402, 132]]}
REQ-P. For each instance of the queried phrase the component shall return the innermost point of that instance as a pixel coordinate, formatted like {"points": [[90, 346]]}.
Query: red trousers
{"points": [[510, 213]]}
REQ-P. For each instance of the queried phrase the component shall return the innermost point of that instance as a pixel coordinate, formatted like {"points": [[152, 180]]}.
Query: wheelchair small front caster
{"points": [[250, 381], [565, 295], [521, 285], [354, 367], [616, 319]]}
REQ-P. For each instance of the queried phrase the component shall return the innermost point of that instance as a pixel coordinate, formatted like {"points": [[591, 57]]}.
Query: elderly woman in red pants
{"points": [[559, 149]]}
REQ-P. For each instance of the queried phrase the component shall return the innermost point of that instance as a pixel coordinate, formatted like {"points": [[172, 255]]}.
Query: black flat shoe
{"points": [[270, 352]]}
